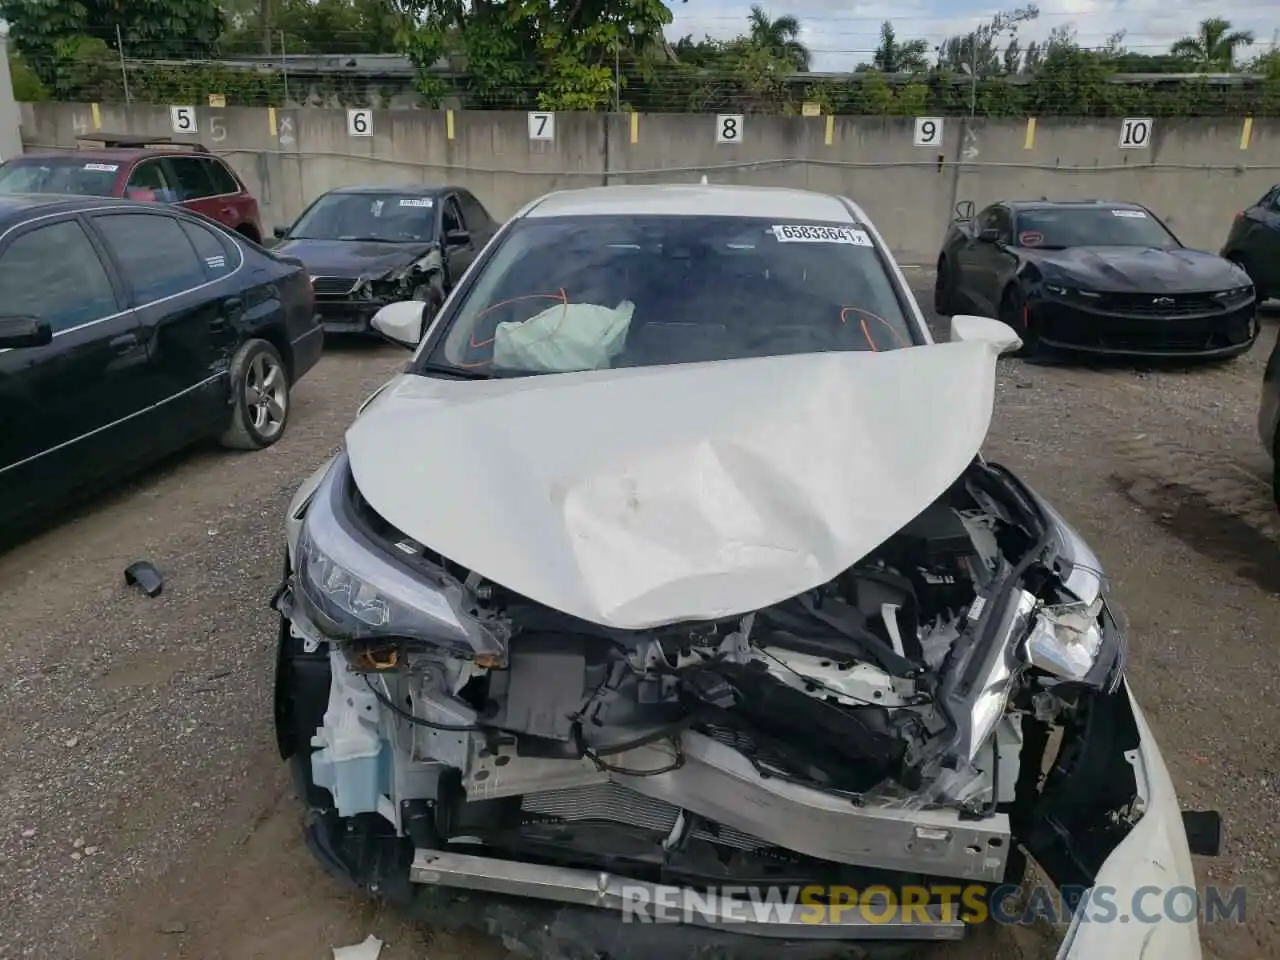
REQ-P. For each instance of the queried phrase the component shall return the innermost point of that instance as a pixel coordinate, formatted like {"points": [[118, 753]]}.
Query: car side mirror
{"points": [[457, 238], [17, 332], [964, 210], [985, 330], [280, 232], [401, 323]]}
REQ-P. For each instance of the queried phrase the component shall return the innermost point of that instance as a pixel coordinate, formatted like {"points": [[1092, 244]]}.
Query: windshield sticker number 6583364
{"points": [[813, 233]]}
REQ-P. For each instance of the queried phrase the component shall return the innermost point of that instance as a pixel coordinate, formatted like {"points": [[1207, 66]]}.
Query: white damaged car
{"points": [[670, 565]]}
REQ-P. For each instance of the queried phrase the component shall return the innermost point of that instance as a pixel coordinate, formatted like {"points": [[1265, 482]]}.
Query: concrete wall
{"points": [[1195, 173], [10, 137]]}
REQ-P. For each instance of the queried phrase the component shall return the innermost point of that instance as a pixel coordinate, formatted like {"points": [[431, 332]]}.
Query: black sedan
{"points": [[1094, 276], [369, 246], [1254, 243], [128, 330]]}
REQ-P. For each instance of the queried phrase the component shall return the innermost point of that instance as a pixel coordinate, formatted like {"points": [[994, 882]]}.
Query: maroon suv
{"points": [[140, 169]]}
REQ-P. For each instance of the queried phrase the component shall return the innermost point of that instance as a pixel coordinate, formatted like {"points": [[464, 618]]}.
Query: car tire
{"points": [[260, 398], [1014, 313], [943, 289]]}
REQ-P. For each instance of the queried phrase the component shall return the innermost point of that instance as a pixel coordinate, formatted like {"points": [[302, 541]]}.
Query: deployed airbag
{"points": [[564, 338]]}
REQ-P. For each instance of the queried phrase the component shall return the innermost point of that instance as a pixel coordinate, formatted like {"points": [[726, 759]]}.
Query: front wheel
{"points": [[1015, 313], [259, 397]]}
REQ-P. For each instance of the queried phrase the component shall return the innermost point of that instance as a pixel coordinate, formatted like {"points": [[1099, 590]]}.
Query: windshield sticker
{"points": [[1030, 238], [416, 202], [1135, 214], [104, 167], [807, 233], [216, 263], [375, 208]]}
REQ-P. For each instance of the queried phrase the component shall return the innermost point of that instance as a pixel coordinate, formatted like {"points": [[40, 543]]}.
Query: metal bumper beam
{"points": [[640, 902]]}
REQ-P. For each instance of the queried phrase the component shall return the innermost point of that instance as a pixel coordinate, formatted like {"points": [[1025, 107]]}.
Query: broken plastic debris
{"points": [[367, 950], [145, 576]]}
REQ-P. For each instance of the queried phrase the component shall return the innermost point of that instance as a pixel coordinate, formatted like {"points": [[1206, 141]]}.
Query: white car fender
{"points": [[1154, 855]]}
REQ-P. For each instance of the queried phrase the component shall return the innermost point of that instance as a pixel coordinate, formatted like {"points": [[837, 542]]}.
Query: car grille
{"points": [[1160, 304], [333, 286]]}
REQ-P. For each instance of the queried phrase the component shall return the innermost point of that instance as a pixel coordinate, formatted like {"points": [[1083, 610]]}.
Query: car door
{"points": [[68, 408], [235, 206], [196, 190], [148, 181], [481, 225], [187, 306], [972, 280], [457, 255], [1268, 242]]}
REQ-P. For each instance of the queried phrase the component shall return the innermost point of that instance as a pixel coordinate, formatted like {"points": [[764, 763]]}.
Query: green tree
{"points": [[150, 29], [983, 50], [556, 54], [1214, 46], [894, 57], [779, 37]]}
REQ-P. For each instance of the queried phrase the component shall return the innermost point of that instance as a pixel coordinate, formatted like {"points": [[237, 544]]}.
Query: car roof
{"points": [[109, 154], [412, 189], [1072, 204], [18, 207], [710, 200]]}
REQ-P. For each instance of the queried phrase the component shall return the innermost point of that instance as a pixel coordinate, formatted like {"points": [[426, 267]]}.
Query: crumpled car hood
{"points": [[645, 496], [352, 258]]}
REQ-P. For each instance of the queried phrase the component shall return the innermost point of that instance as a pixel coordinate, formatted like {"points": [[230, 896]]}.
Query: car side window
{"points": [[452, 216], [53, 272], [192, 176], [154, 254], [223, 180], [146, 176], [473, 210], [1004, 223], [217, 259]]}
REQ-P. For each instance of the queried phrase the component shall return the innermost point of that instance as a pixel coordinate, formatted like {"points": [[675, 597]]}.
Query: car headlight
{"points": [[354, 591], [1234, 293], [1059, 290]]}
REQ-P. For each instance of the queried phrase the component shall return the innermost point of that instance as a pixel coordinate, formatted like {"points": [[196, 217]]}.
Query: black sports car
{"points": [[1094, 276], [1254, 243], [369, 246]]}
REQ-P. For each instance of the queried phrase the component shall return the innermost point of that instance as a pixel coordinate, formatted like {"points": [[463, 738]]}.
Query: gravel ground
{"points": [[146, 814]]}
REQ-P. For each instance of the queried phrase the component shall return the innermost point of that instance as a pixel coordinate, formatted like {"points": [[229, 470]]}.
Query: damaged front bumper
{"points": [[412, 788]]}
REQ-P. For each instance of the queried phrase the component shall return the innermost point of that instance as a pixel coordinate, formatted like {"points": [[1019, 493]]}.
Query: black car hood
{"points": [[1138, 269], [352, 258]]}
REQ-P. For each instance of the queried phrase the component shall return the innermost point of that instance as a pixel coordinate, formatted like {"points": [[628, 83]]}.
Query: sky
{"points": [[842, 33]]}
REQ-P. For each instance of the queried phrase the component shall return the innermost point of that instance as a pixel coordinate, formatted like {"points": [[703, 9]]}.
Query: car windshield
{"points": [[584, 293], [76, 175], [387, 217], [1092, 227]]}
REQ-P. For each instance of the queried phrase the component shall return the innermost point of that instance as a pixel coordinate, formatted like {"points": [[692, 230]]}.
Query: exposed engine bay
{"points": [[879, 723]]}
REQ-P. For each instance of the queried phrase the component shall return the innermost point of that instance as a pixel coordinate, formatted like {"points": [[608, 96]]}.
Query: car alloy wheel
{"points": [[259, 397]]}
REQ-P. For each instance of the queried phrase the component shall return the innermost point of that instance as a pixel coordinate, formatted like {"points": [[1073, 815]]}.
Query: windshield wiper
{"points": [[447, 370]]}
